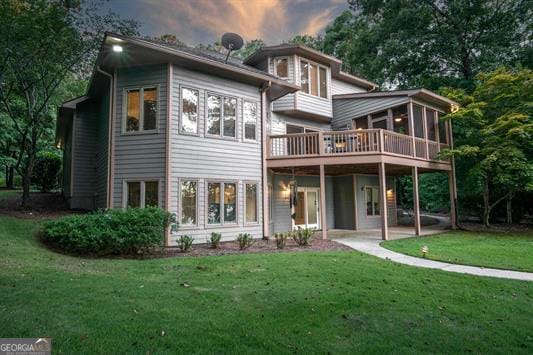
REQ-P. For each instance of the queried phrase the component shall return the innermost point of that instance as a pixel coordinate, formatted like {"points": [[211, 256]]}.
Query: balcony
{"points": [[367, 142]]}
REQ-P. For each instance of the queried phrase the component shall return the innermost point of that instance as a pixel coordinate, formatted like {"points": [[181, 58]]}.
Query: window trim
{"points": [[180, 128], [276, 67], [366, 201], [180, 203], [222, 223], [270, 201], [143, 181], [258, 114], [328, 75], [256, 183], [206, 113], [141, 89]]}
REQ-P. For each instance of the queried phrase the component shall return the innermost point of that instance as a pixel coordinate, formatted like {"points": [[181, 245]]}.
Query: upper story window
{"points": [[221, 116], [313, 79], [141, 109], [250, 120], [281, 67], [189, 110]]}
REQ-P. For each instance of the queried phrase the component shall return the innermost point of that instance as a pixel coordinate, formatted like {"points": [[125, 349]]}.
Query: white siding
{"points": [[140, 156], [209, 158]]}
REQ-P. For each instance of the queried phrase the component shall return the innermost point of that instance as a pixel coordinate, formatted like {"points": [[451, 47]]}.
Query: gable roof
{"points": [[312, 54]]}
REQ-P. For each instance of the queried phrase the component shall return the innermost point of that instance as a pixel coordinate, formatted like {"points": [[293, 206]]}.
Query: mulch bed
{"points": [[259, 246], [40, 206]]}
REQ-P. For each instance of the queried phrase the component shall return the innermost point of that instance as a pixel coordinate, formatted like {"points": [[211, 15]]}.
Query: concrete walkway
{"points": [[368, 242]]}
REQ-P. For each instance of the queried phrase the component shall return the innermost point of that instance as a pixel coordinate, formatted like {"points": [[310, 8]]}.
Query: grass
{"points": [[331, 302], [512, 251]]}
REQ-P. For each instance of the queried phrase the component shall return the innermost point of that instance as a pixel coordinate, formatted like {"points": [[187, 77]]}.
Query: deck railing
{"points": [[334, 143]]}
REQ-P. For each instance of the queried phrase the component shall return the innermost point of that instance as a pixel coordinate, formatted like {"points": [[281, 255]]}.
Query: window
{"points": [[221, 116], [282, 67], [141, 194], [430, 125], [418, 121], [250, 120], [313, 79], [270, 202], [372, 201], [361, 123], [221, 196], [400, 122], [189, 110], [141, 117], [443, 138], [251, 202], [189, 199]]}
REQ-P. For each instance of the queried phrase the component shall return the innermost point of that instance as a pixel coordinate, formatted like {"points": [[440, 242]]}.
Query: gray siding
{"points": [[314, 104], [85, 130], [343, 195], [206, 158], [281, 204], [140, 156], [347, 109], [102, 152], [339, 87], [278, 123], [371, 222], [67, 161]]}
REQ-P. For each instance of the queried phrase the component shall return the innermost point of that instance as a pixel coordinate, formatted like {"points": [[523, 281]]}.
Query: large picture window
{"points": [[313, 79], [221, 116], [189, 203], [372, 200], [141, 194], [250, 120], [251, 202], [141, 109], [221, 203], [189, 110]]}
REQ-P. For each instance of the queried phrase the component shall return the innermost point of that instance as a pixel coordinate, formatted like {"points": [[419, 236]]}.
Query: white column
{"points": [[416, 202], [323, 203], [383, 201]]}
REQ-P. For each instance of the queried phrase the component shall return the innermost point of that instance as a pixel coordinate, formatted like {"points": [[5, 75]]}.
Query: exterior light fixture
{"points": [[117, 48], [340, 145], [359, 129], [454, 108], [398, 119]]}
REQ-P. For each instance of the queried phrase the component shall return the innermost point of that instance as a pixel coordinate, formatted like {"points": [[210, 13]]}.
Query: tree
{"points": [[308, 41], [47, 42], [170, 39], [430, 43], [496, 139]]}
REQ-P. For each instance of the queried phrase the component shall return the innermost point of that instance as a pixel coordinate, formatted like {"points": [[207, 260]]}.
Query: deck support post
{"points": [[416, 201], [323, 203], [383, 201]]}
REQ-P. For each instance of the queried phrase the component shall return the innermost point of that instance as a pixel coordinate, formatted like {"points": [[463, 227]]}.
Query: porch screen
{"points": [[399, 120], [430, 125], [417, 121]]}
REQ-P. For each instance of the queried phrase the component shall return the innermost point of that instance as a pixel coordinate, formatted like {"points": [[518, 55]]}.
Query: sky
{"points": [[204, 21]]}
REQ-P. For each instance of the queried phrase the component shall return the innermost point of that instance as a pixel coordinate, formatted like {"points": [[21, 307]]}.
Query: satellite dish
{"points": [[232, 42]]}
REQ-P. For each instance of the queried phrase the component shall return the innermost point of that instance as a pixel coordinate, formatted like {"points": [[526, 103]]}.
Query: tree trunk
{"points": [[10, 173], [26, 177], [486, 203], [509, 210]]}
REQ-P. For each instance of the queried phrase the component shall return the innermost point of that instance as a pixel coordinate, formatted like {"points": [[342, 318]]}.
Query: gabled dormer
{"points": [[318, 75]]}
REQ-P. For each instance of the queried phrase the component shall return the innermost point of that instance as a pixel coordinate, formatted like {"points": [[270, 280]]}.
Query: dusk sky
{"points": [[204, 21]]}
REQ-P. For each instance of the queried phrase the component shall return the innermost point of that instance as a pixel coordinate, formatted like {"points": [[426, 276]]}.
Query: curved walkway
{"points": [[369, 244]]}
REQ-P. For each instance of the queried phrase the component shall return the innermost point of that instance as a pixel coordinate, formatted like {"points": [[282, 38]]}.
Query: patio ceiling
{"points": [[338, 170]]}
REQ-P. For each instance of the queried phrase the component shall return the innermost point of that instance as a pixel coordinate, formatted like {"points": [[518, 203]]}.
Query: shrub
{"points": [[302, 236], [281, 240], [46, 171], [114, 231], [214, 240], [245, 240], [185, 243]]}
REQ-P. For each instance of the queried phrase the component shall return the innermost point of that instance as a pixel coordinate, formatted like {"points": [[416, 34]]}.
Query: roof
{"points": [[312, 54], [423, 94]]}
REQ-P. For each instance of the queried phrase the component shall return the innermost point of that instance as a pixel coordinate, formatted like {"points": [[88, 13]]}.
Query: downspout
{"points": [[110, 136], [264, 178]]}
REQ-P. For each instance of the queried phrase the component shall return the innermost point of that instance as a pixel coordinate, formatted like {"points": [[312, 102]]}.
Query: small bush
{"points": [[114, 231], [46, 171], [281, 240], [245, 240], [302, 236], [185, 243], [214, 240]]}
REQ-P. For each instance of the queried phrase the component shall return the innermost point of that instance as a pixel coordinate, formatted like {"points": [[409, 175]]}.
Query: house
{"points": [[281, 140]]}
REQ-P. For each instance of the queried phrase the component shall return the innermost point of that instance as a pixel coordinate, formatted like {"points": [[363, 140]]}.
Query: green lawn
{"points": [[332, 302], [489, 249]]}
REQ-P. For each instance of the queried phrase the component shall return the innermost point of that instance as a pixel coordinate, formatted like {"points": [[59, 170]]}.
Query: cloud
{"points": [[319, 22]]}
